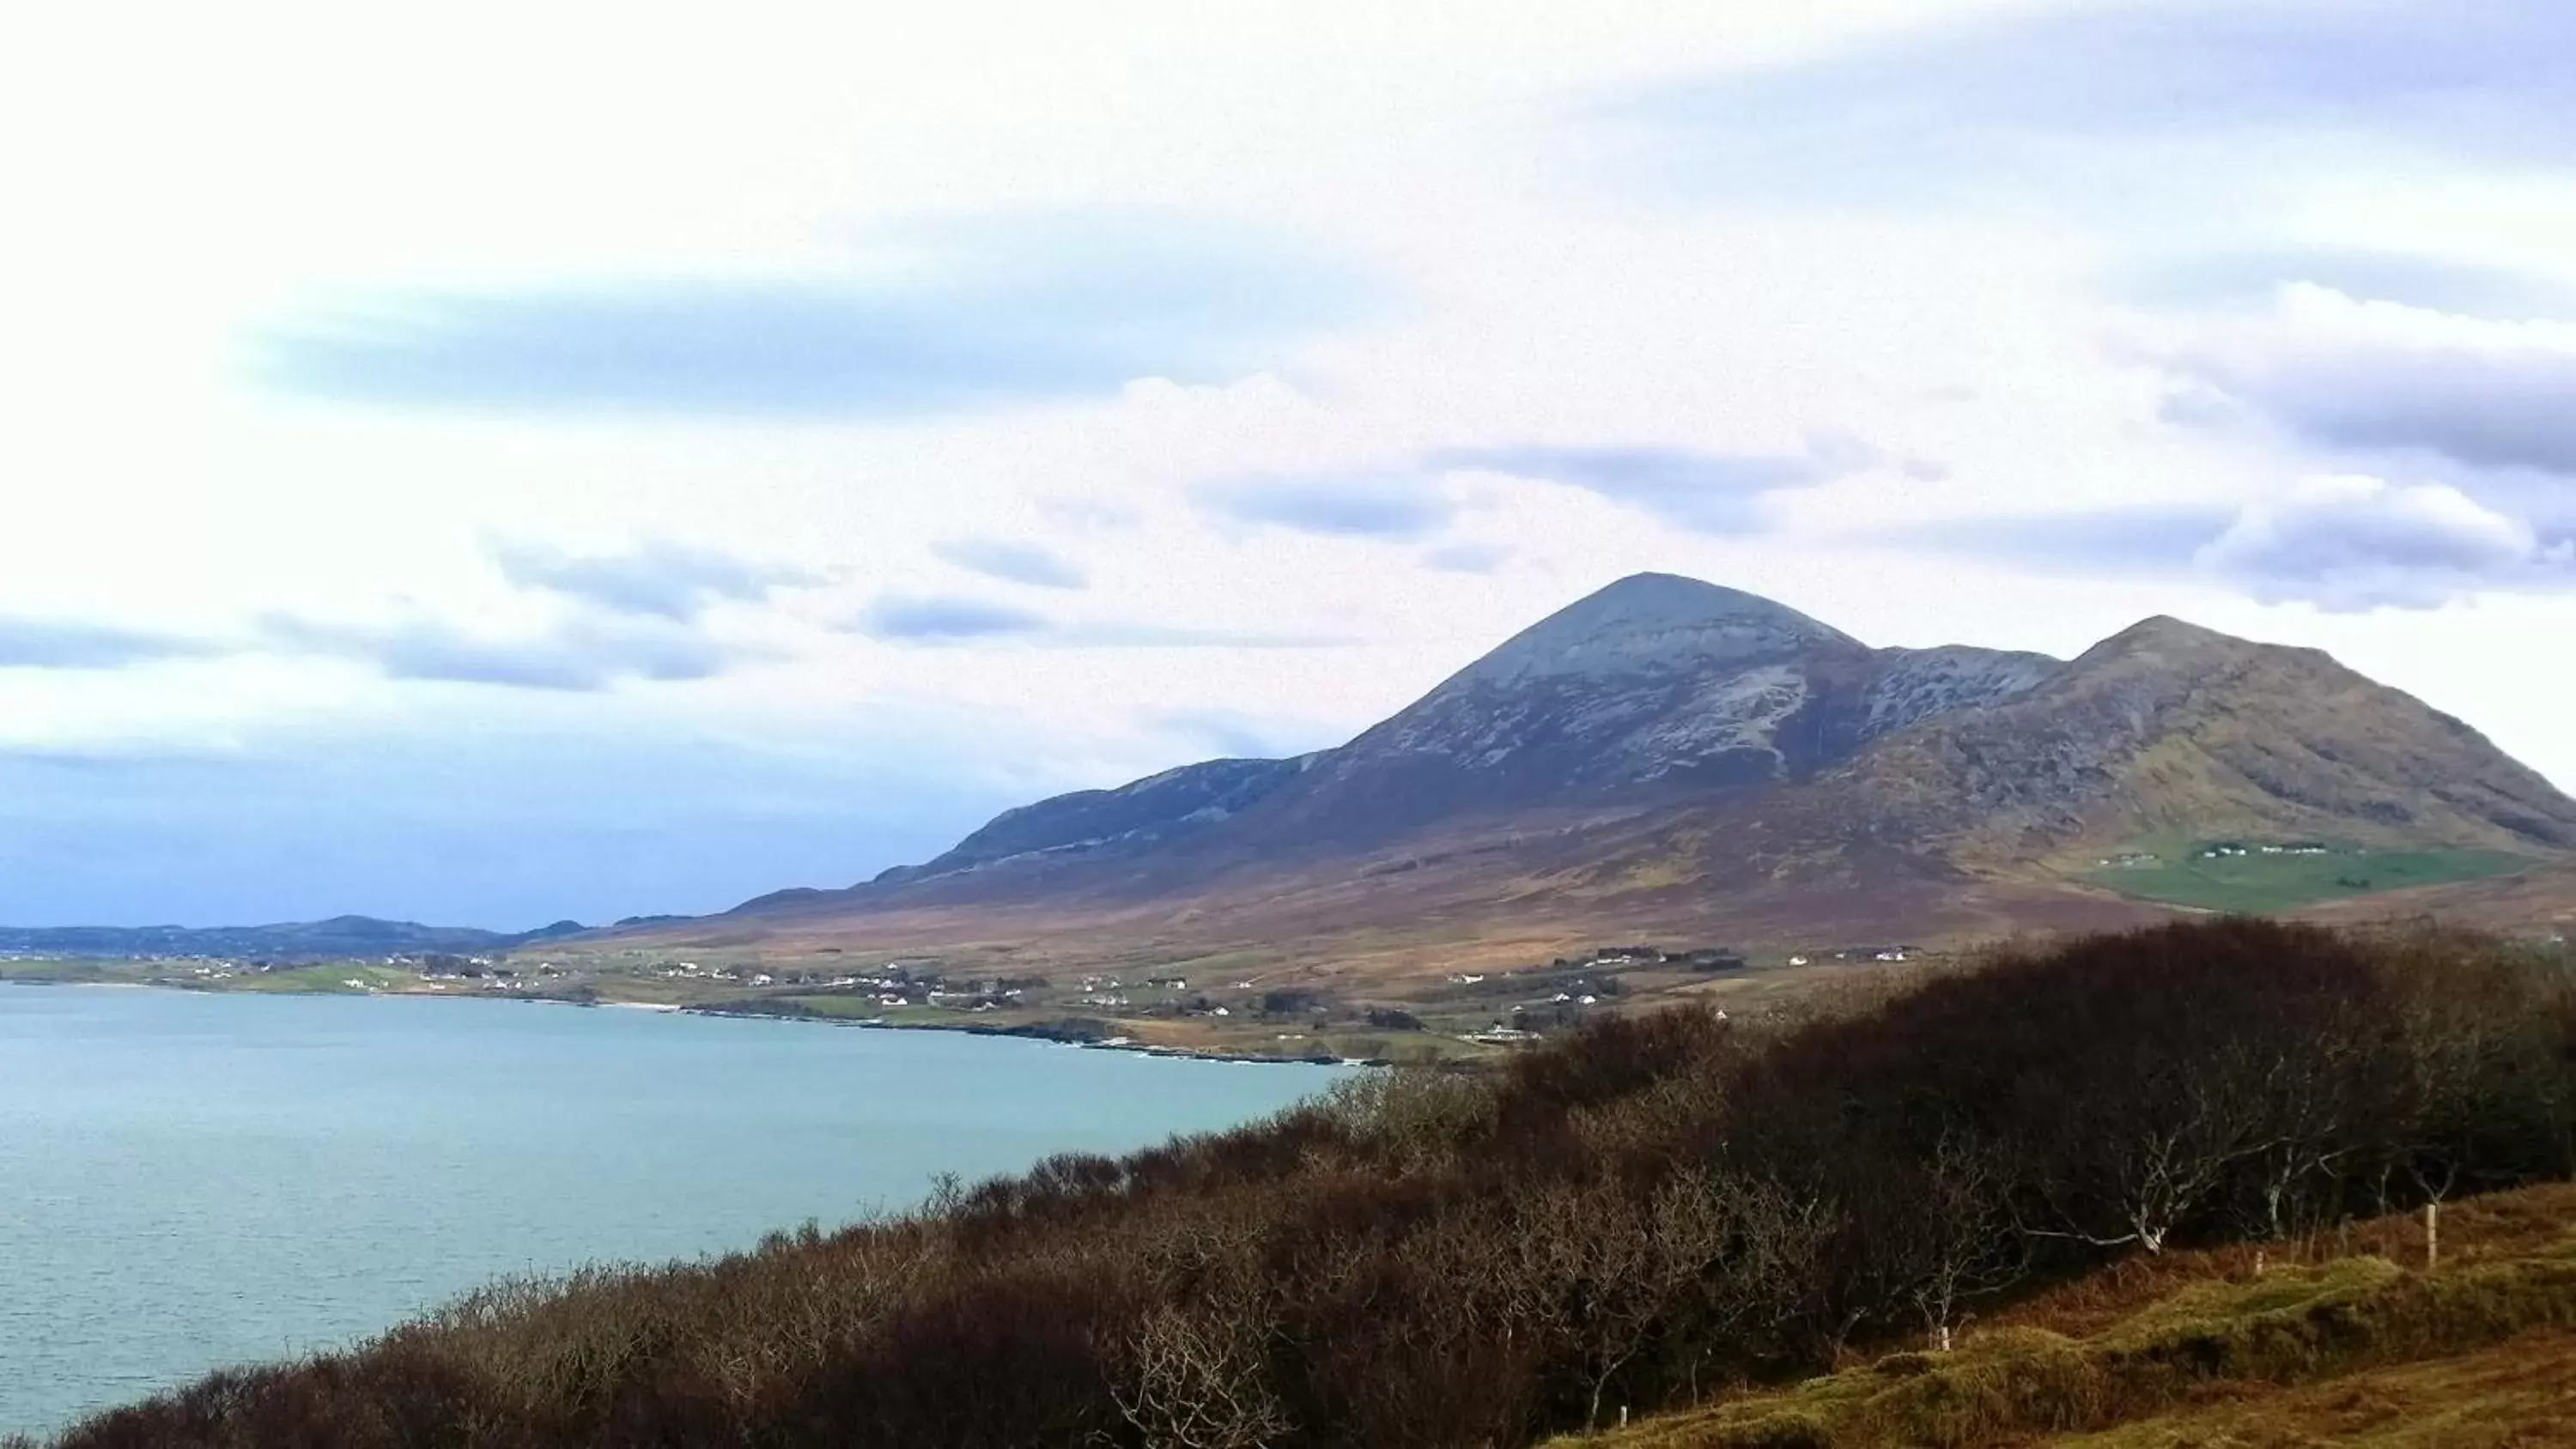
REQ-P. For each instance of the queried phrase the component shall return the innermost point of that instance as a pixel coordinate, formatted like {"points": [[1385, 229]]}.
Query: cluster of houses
{"points": [[1700, 958], [973, 996], [2228, 849], [437, 965], [893, 984], [1171, 996], [2215, 850], [1111, 992], [1102, 991], [749, 976]]}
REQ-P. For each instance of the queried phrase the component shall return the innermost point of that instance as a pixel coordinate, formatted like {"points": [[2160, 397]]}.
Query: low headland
{"points": [[1233, 1009]]}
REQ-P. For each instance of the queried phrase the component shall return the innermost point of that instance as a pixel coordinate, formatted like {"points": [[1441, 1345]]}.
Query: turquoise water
{"points": [[192, 1180]]}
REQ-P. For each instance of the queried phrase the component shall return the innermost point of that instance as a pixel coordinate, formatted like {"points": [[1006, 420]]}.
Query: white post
{"points": [[2432, 1234]]}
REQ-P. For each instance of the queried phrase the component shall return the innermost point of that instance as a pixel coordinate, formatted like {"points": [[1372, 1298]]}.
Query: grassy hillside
{"points": [[2324, 1339], [2515, 1395], [1632, 1218]]}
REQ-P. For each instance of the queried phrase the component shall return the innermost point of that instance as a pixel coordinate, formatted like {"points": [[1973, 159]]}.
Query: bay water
{"points": [[189, 1180]]}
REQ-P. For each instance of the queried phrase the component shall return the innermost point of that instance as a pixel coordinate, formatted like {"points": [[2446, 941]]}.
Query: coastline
{"points": [[1059, 1035], [1034, 1031]]}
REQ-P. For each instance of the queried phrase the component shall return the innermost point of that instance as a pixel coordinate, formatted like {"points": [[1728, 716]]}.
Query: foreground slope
{"points": [[1671, 757], [2346, 1338]]}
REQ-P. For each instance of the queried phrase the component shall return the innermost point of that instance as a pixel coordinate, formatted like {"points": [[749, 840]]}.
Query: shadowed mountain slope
{"points": [[1135, 815]]}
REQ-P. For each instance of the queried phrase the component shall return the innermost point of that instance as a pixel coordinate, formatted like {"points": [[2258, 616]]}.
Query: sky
{"points": [[496, 463]]}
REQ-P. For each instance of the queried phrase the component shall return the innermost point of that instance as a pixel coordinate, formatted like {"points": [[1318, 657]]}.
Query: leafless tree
{"points": [[1960, 1245], [1587, 1262], [1196, 1377], [2132, 1162], [1743, 1257]]}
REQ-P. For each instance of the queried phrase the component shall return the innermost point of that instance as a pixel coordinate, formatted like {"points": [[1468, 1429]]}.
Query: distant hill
{"points": [[340, 937], [1697, 762]]}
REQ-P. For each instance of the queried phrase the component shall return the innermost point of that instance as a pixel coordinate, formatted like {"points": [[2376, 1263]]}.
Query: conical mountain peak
{"points": [[1651, 623], [2163, 633]]}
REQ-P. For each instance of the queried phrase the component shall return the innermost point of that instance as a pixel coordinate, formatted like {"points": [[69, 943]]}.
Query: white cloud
{"points": [[655, 578], [2352, 373], [579, 653], [2349, 542], [1013, 561]]}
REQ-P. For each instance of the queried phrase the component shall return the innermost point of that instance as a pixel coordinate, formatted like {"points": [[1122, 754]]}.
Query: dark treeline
{"points": [[1640, 1215]]}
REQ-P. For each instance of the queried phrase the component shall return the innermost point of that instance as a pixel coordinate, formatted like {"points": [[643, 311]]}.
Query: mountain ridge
{"points": [[1673, 752], [1717, 678]]}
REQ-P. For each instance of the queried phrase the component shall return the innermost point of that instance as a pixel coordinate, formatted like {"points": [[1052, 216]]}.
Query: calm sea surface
{"points": [[192, 1180]]}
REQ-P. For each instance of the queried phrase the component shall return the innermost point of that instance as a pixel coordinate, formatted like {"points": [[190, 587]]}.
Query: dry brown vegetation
{"points": [[1652, 1212], [2325, 1339], [2520, 1394]]}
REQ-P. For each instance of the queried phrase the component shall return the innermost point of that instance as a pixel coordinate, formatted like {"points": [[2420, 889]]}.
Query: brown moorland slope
{"points": [[2539, 902]]}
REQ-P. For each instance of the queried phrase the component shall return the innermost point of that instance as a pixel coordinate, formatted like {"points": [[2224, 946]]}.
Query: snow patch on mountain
{"points": [[1740, 712]]}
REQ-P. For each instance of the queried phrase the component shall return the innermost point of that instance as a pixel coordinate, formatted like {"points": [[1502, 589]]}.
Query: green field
{"points": [[2259, 884], [54, 970], [346, 979]]}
